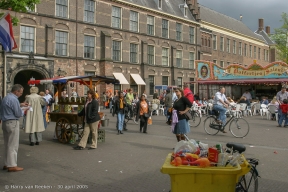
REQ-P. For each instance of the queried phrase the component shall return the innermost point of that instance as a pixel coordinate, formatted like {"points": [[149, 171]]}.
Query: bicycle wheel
{"points": [[248, 182], [209, 125], [239, 127], [196, 119]]}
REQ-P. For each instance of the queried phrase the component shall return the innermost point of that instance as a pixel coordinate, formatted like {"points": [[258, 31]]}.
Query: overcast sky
{"points": [[251, 10]]}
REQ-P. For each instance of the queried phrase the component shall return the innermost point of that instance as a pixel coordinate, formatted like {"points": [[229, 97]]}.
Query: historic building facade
{"points": [[151, 42]]}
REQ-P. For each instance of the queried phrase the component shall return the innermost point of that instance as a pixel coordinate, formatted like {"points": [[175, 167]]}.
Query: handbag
{"points": [[188, 115], [146, 115], [149, 122]]}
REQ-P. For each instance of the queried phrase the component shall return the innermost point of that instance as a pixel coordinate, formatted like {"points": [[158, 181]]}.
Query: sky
{"points": [[251, 10]]}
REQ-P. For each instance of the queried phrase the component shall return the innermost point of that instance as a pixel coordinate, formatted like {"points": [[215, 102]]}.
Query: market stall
{"points": [[262, 80], [68, 123]]}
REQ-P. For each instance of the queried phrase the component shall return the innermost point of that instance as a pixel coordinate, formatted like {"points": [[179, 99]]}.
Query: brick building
{"points": [[152, 42]]}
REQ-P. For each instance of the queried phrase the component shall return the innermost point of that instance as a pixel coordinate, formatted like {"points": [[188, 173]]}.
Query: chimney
{"points": [[261, 24], [268, 30]]}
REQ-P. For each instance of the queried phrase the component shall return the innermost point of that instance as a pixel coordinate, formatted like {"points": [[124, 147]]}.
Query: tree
{"points": [[281, 39], [18, 6]]}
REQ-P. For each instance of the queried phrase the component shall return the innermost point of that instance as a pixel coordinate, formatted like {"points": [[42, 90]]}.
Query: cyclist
{"points": [[221, 104]]}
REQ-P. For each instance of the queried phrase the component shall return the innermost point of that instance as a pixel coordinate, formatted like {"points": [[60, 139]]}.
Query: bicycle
{"points": [[196, 118], [248, 180], [238, 127]]}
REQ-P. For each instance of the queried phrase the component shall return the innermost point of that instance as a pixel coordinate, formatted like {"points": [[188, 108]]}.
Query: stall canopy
{"points": [[138, 79], [79, 79], [243, 81], [121, 78]]}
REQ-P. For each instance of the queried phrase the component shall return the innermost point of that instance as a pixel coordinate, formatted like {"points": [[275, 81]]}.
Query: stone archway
{"points": [[23, 77]]}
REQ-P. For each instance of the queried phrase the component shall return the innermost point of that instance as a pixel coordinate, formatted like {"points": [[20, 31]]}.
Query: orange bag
{"points": [[149, 122], [106, 104]]}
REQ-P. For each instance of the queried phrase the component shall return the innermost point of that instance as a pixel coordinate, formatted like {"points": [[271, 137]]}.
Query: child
{"points": [[283, 116]]}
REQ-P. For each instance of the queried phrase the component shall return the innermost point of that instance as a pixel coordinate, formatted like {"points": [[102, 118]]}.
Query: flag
{"points": [[6, 34]]}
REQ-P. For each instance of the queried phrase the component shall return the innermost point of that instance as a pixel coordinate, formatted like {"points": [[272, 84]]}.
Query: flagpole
{"points": [[4, 74]]}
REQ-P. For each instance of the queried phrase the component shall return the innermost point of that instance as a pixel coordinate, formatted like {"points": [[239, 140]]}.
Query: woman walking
{"points": [[34, 124], [143, 113], [180, 107], [120, 104], [91, 120]]}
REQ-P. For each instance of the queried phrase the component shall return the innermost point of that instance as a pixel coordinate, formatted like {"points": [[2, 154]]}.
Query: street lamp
{"points": [[61, 73]]}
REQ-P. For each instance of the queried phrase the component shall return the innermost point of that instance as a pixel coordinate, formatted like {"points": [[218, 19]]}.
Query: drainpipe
{"points": [[76, 42]]}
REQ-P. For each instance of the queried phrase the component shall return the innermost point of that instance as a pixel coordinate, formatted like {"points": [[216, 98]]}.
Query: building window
{"points": [[178, 31], [116, 17], [192, 84], [221, 63], [209, 44], [250, 51], [202, 41], [259, 53], [117, 87], [222, 43], [215, 61], [240, 48], [160, 4], [85, 87], [165, 28], [255, 52], [61, 43], [234, 46], [245, 50], [191, 60], [214, 42], [228, 45], [62, 8], [89, 9], [133, 21], [133, 53], [116, 50], [150, 25], [165, 58], [179, 82], [228, 63], [165, 80], [89, 46], [191, 34], [150, 52], [264, 54], [205, 42], [179, 58], [151, 84], [185, 11], [27, 39]]}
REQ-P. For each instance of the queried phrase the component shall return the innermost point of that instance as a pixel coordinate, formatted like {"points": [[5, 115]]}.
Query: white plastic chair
{"points": [[236, 111], [256, 108], [155, 108], [243, 107], [272, 109], [263, 109], [161, 109]]}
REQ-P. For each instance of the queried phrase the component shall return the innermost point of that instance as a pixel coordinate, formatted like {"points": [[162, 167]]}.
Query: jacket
{"points": [[138, 109], [92, 115], [188, 94], [34, 119], [117, 105], [168, 100], [284, 108]]}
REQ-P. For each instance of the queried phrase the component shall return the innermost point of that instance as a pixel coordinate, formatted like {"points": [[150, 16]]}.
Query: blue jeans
{"points": [[282, 117], [120, 121], [222, 110]]}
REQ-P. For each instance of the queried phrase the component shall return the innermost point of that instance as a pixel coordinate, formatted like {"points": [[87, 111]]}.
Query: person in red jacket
{"points": [[188, 93], [284, 109]]}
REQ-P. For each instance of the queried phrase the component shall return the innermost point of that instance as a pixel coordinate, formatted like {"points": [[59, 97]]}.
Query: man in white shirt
{"points": [[247, 94], [221, 104]]}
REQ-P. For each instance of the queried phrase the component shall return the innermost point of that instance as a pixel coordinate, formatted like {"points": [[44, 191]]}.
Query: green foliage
{"points": [[281, 38], [18, 6]]}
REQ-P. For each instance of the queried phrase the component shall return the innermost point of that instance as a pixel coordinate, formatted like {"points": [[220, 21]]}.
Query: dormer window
{"points": [[185, 9], [160, 4]]}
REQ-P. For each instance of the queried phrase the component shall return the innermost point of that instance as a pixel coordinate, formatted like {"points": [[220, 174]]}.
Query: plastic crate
{"points": [[192, 178], [101, 135]]}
